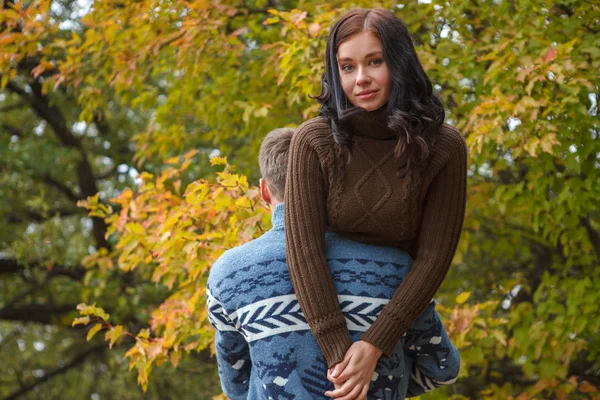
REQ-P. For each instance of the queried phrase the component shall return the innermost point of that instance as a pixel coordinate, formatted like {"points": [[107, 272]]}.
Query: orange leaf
{"points": [[550, 54], [587, 387]]}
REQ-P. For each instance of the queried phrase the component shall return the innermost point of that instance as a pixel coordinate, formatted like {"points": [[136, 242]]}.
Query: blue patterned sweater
{"points": [[264, 346]]}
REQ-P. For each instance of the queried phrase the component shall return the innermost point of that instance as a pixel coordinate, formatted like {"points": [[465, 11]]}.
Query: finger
{"points": [[335, 381], [363, 393], [341, 391], [354, 393], [341, 366], [351, 370]]}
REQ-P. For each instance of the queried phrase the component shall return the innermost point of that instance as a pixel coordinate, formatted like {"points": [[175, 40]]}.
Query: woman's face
{"points": [[364, 74]]}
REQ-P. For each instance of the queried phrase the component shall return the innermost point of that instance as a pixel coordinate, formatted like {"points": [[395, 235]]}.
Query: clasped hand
{"points": [[352, 376]]}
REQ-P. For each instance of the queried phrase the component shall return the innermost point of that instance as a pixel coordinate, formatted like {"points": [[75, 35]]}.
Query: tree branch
{"points": [[584, 369], [542, 263], [11, 107], [592, 233], [85, 174], [38, 216], [50, 113], [74, 197], [13, 130], [43, 313], [19, 297], [79, 359], [11, 266]]}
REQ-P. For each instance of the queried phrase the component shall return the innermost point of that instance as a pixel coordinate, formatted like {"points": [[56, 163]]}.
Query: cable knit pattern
{"points": [[365, 183], [367, 200]]}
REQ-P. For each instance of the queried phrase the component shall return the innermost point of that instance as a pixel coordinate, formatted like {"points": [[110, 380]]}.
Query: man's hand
{"points": [[352, 376]]}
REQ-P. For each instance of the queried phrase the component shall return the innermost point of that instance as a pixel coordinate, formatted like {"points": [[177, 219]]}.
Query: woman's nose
{"points": [[362, 77]]}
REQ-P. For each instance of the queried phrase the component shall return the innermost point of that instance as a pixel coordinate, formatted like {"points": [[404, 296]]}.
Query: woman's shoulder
{"points": [[450, 141], [315, 132], [448, 148], [451, 133]]}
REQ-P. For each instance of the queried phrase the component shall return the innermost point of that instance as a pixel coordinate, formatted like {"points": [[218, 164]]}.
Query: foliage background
{"points": [[119, 107]]}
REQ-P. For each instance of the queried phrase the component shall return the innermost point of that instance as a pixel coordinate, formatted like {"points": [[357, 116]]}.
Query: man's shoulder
{"points": [[234, 259], [238, 259]]}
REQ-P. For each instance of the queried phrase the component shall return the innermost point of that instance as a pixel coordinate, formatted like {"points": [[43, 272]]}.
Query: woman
{"points": [[379, 165]]}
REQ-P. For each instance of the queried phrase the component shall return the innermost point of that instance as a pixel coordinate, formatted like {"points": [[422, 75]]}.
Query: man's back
{"points": [[252, 303]]}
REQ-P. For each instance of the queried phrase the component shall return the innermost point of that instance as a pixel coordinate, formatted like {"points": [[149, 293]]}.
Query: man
{"points": [[265, 349]]}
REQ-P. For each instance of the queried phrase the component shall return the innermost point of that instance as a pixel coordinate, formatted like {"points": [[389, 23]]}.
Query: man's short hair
{"points": [[273, 159]]}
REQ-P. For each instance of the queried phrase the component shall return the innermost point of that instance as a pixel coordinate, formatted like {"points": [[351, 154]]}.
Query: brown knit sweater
{"points": [[368, 200]]}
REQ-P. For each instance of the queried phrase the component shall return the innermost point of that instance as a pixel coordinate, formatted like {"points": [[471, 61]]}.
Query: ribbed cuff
{"points": [[385, 334], [335, 343]]}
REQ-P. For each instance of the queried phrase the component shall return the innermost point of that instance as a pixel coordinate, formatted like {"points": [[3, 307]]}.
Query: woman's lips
{"points": [[367, 95]]}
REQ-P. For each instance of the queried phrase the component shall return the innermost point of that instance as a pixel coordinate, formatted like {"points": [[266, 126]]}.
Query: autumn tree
{"points": [[50, 159]]}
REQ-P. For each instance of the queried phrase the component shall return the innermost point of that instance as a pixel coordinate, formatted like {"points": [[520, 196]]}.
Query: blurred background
{"points": [[115, 121]]}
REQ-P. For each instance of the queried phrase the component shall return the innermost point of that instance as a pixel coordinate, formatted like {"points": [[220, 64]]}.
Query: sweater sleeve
{"points": [[441, 225], [233, 353], [305, 220]]}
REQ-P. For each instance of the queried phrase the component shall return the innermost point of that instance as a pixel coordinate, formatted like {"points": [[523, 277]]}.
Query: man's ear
{"points": [[264, 191]]}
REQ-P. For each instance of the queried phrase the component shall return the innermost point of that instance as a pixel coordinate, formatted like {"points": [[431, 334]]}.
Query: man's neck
{"points": [[274, 203], [277, 215]]}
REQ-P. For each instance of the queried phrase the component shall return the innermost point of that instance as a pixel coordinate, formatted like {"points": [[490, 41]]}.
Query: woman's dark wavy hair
{"points": [[415, 113]]}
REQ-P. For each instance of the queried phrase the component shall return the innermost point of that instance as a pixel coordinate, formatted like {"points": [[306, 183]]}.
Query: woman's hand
{"points": [[352, 376]]}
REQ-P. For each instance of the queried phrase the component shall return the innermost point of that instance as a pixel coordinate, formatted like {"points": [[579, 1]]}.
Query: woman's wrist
{"points": [[372, 348]]}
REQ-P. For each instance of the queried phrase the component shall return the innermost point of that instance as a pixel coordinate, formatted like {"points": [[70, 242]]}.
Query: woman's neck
{"points": [[371, 124]]}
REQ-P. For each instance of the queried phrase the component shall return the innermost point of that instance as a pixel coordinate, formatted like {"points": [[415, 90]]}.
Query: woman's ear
{"points": [[264, 191]]}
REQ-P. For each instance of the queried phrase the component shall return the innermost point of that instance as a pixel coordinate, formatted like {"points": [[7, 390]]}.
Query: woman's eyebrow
{"points": [[371, 54]]}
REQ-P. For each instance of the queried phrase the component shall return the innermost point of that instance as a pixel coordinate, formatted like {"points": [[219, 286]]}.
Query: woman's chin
{"points": [[371, 106]]}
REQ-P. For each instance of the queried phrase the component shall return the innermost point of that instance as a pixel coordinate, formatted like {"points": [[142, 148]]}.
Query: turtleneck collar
{"points": [[371, 124], [277, 217]]}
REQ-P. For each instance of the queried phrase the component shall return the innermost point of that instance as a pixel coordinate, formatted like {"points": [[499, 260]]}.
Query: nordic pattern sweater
{"points": [[264, 346]]}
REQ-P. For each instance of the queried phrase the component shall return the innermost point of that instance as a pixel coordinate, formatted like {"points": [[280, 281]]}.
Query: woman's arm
{"points": [[305, 216], [441, 225]]}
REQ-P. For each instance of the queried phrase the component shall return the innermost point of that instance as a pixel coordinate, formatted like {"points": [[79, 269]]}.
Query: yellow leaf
{"points": [[93, 331], [463, 297], [144, 334], [218, 160], [175, 356], [532, 145], [81, 320], [548, 141], [243, 182], [115, 334], [190, 153], [153, 350], [185, 165], [132, 352], [499, 335], [229, 180], [172, 160]]}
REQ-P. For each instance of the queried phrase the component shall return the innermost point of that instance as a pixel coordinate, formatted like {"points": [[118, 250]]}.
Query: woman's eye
{"points": [[377, 61], [347, 68]]}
